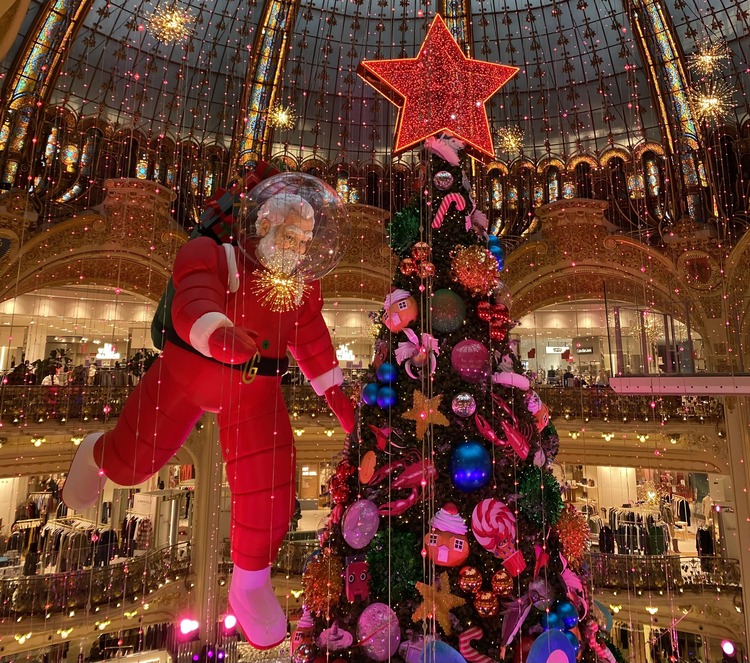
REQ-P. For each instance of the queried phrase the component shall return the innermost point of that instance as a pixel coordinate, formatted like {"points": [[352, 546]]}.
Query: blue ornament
{"points": [[492, 240], [551, 645], [370, 393], [573, 640], [471, 466], [551, 621], [437, 650], [387, 397], [387, 373], [567, 613], [500, 263], [496, 250]]}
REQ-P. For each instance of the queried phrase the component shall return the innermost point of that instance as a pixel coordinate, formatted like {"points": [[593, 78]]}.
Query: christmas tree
{"points": [[448, 539]]}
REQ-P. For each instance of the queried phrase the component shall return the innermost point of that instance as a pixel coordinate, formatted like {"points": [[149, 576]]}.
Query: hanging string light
{"points": [[711, 101], [171, 23], [509, 139], [709, 58]]}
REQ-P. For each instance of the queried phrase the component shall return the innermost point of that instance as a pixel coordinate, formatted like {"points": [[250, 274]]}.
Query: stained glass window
{"points": [[512, 197], [538, 195], [652, 178], [70, 157], [636, 189], [4, 135], [553, 184], [569, 190], [51, 149], [141, 169], [11, 168], [497, 193]]}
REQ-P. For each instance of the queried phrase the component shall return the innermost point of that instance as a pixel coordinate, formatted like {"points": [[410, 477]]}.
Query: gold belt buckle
{"points": [[250, 369]]}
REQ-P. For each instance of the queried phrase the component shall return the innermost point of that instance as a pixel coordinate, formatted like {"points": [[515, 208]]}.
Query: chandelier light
{"points": [[171, 24]]}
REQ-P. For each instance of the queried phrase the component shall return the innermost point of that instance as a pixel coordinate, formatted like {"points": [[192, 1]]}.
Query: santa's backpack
{"points": [[216, 222]]}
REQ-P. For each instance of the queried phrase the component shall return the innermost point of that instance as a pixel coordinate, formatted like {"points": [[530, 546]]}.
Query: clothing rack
{"points": [[28, 523]]}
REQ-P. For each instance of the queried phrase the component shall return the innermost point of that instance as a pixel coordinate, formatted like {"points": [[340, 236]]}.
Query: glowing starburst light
{"points": [[709, 58], [282, 117], [509, 139], [711, 101], [171, 24]]}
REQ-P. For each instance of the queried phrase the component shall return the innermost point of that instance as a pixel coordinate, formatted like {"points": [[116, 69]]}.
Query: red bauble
{"points": [[483, 311], [498, 332], [426, 270], [469, 579], [500, 313], [345, 469], [486, 603], [339, 489], [408, 266], [420, 251]]}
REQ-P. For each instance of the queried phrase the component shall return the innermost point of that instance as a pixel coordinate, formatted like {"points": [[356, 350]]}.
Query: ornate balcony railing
{"points": [[602, 403], [294, 552], [663, 572], [29, 404], [76, 590]]}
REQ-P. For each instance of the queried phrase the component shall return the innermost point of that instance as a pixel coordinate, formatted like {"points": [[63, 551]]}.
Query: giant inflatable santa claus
{"points": [[237, 308]]}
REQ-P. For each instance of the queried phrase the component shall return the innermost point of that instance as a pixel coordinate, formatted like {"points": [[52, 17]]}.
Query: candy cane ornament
{"points": [[445, 206], [467, 651]]}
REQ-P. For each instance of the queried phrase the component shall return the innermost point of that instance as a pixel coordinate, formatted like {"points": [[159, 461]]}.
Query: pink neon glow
{"points": [[230, 621], [187, 626], [727, 647]]}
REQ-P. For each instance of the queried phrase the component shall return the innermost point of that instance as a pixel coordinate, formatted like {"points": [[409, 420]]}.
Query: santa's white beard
{"points": [[271, 257]]}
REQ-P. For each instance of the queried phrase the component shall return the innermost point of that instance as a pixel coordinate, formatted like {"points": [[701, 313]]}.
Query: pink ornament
{"points": [[471, 360], [360, 523], [378, 631], [494, 527]]}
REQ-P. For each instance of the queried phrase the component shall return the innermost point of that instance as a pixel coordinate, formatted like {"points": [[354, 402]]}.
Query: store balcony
{"points": [[124, 580], [663, 572], [30, 404]]}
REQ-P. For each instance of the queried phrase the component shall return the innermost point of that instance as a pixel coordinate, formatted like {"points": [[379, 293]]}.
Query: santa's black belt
{"points": [[256, 365]]}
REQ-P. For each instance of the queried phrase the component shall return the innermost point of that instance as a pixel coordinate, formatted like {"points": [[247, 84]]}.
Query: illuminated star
{"points": [[425, 412], [437, 603], [439, 90]]}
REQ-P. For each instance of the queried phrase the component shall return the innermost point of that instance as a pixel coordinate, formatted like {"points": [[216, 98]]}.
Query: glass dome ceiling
{"points": [[584, 82]]}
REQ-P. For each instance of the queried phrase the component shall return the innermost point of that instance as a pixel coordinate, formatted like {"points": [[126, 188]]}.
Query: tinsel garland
{"points": [[475, 268], [403, 230], [573, 532], [393, 566], [322, 583], [540, 500]]}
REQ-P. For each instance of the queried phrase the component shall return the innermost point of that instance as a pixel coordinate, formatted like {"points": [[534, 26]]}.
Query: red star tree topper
{"points": [[439, 90]]}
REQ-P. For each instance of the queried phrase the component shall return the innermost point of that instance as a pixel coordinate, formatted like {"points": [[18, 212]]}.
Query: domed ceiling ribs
{"points": [[32, 78], [657, 41], [254, 133]]}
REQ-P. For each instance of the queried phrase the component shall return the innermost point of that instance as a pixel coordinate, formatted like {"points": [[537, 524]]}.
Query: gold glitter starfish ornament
{"points": [[437, 602], [425, 412]]}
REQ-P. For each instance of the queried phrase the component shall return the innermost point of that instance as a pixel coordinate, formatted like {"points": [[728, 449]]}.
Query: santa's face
{"points": [[285, 244]]}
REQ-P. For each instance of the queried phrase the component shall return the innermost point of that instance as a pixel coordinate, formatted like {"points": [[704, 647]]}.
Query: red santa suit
{"points": [[214, 297]]}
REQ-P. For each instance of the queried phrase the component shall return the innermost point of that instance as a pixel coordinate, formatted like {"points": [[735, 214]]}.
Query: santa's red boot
{"points": [[85, 480], [253, 602]]}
